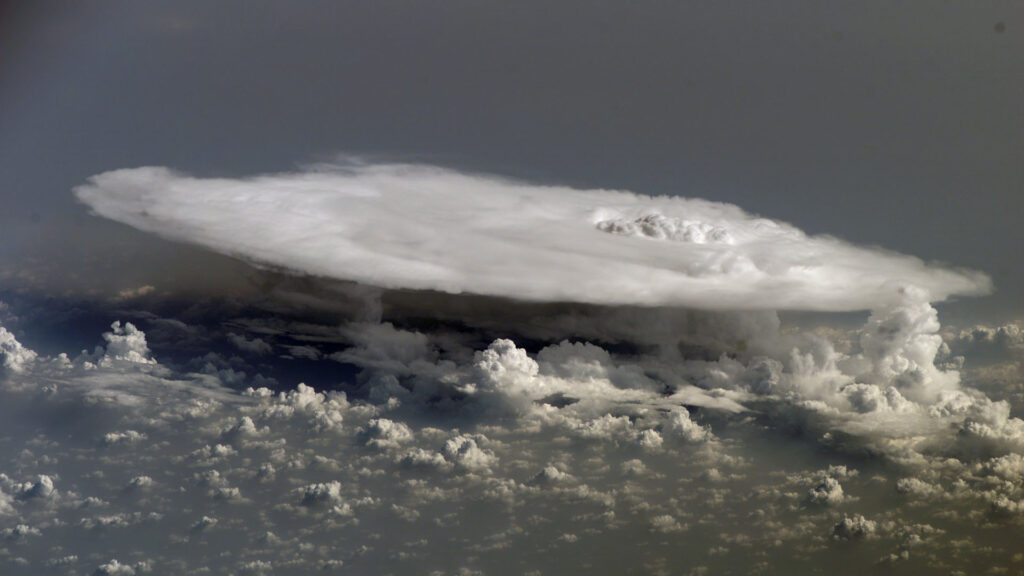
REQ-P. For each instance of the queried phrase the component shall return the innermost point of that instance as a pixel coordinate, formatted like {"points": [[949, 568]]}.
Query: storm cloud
{"points": [[422, 227]]}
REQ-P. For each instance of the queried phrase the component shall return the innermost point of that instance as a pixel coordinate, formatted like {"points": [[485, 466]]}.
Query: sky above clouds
{"points": [[530, 288], [894, 125]]}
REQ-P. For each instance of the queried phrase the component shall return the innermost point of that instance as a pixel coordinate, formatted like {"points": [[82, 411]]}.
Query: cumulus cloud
{"points": [[829, 492], [492, 424], [421, 227], [40, 489], [681, 426], [403, 483], [320, 493], [115, 568], [126, 344], [854, 527], [13, 356], [254, 346], [382, 433], [464, 452]]}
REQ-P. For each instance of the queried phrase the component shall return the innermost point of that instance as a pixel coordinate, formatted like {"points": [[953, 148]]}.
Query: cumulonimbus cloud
{"points": [[422, 227]]}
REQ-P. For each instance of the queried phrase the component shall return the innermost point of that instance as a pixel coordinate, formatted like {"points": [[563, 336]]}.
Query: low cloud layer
{"points": [[457, 460], [420, 227]]}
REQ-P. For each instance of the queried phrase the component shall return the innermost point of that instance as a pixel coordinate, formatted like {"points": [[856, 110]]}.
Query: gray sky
{"points": [[897, 124]]}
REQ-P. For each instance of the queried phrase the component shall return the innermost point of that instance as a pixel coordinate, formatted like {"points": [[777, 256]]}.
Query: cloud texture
{"points": [[499, 419], [421, 227], [567, 459]]}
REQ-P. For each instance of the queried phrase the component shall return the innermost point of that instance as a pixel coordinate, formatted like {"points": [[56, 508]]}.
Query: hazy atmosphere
{"points": [[511, 288]]}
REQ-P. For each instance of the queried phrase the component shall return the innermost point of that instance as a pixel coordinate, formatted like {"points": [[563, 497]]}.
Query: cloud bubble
{"points": [[427, 228]]}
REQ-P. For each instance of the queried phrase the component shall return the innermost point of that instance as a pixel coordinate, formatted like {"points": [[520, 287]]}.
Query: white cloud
{"points": [[550, 475], [419, 227], [918, 488], [180, 454], [6, 503], [13, 356], [382, 433], [140, 483], [420, 458], [854, 527], [321, 493], [40, 489], [126, 437], [666, 523], [901, 343], [20, 532], [125, 344], [682, 427], [649, 439], [829, 492], [115, 568], [464, 452], [204, 523]]}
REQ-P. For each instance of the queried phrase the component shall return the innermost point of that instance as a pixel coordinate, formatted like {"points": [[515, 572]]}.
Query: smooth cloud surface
{"points": [[420, 227]]}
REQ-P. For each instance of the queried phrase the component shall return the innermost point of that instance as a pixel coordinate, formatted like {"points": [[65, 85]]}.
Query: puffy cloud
{"points": [[666, 523], [125, 344], [866, 398], [566, 374], [168, 466], [829, 492], [550, 475], [13, 356], [179, 455], [381, 346], [20, 532], [901, 342], [115, 568], [854, 527], [323, 410], [682, 427], [382, 433], [464, 452], [61, 561], [649, 439], [41, 489], [126, 437], [663, 228], [321, 493], [890, 385], [420, 458], [605, 427], [420, 227], [254, 346], [918, 488], [137, 292], [6, 503], [204, 523], [1007, 336], [140, 483], [245, 427], [508, 372], [1008, 467]]}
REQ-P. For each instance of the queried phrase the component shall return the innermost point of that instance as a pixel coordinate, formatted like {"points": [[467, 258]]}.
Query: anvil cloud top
{"points": [[421, 227]]}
